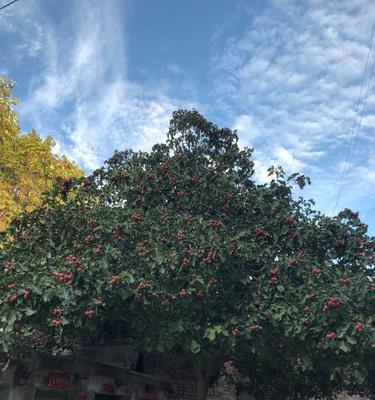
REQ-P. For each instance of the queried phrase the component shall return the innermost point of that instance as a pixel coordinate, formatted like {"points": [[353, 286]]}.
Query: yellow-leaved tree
{"points": [[28, 166]]}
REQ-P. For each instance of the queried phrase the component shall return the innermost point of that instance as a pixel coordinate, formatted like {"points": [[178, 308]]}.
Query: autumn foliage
{"points": [[28, 166], [182, 250]]}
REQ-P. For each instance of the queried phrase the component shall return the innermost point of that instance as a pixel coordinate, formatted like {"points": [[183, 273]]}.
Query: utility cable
{"points": [[8, 4], [354, 136]]}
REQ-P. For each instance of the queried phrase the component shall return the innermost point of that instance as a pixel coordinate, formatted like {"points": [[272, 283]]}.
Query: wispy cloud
{"points": [[296, 69]]}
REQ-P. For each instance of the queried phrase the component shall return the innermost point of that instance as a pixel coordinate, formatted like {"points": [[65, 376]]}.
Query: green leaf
{"points": [[30, 312], [195, 347], [280, 288]]}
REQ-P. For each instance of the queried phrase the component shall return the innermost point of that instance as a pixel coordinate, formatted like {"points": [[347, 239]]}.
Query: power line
{"points": [[8, 4], [354, 136]]}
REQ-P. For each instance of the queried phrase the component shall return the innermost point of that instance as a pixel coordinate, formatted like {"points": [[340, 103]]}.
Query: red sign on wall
{"points": [[59, 380], [152, 395], [108, 387]]}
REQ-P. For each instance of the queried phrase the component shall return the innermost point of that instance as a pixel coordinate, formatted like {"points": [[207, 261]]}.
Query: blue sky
{"points": [[100, 75]]}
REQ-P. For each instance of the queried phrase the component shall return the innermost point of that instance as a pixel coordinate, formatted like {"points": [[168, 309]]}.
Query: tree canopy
{"points": [[182, 250], [28, 166]]}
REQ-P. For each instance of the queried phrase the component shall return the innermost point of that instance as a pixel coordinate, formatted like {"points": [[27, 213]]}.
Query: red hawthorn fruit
{"points": [[180, 194], [180, 236], [235, 332], [12, 298], [137, 217], [172, 181], [88, 239], [173, 254], [344, 281], [151, 177], [98, 302], [325, 308], [293, 261], [11, 285], [114, 280], [194, 178], [334, 302], [307, 309], [319, 345], [330, 335], [89, 313], [311, 296], [316, 271], [87, 182], [200, 293], [273, 281], [188, 218], [9, 266], [289, 220], [98, 249], [185, 262], [215, 223], [25, 294], [338, 243], [138, 298], [182, 293], [360, 254], [212, 281], [56, 322], [164, 167], [56, 312], [275, 272], [255, 328], [372, 288], [305, 322], [372, 345], [142, 285], [116, 236], [359, 327]]}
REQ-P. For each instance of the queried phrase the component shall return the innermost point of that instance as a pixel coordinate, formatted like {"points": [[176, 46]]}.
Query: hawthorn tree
{"points": [[181, 249]]}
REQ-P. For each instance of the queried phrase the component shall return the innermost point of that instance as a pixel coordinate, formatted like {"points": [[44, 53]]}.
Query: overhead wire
{"points": [[354, 134], [8, 4]]}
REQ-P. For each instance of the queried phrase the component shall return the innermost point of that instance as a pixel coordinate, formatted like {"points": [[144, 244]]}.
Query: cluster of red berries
{"points": [[255, 328], [194, 178], [200, 293], [334, 302], [25, 294], [9, 266], [235, 332], [185, 262], [311, 296], [65, 277], [88, 239], [172, 181], [274, 274], [208, 260], [261, 232], [87, 182], [330, 335], [137, 217], [182, 293], [114, 280], [116, 236], [289, 220], [142, 286], [89, 313], [64, 186], [151, 177], [56, 322], [74, 260], [164, 167], [180, 236], [359, 327], [188, 218], [215, 223], [344, 281], [180, 194], [12, 298]]}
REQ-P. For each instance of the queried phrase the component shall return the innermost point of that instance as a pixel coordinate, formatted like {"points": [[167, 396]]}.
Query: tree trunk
{"points": [[204, 373], [202, 382]]}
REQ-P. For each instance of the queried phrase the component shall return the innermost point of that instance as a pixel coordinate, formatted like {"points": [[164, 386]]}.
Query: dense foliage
{"points": [[27, 164], [181, 249]]}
